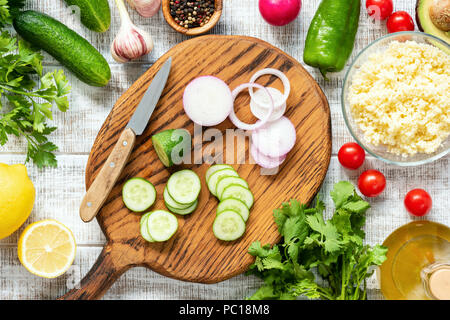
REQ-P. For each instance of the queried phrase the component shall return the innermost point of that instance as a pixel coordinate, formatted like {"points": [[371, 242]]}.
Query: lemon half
{"points": [[47, 248], [17, 195]]}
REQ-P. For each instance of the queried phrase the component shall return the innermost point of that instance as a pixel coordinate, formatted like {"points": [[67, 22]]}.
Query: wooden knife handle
{"points": [[100, 189]]}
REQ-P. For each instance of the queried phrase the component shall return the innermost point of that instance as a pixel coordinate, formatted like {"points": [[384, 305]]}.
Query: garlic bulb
{"points": [[131, 42], [146, 8]]}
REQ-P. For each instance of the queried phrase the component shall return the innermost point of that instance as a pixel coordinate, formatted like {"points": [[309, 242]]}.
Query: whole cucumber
{"points": [[65, 45], [332, 34], [94, 14]]}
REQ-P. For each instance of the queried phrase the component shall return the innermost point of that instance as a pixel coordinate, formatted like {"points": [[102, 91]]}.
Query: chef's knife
{"points": [[107, 177]]}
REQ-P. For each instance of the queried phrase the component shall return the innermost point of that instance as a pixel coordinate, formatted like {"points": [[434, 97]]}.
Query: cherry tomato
{"points": [[379, 9], [418, 202], [400, 21], [351, 155], [371, 183]]}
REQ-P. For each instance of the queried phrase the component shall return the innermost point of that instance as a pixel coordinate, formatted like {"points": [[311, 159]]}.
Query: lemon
{"points": [[47, 248], [17, 195]]}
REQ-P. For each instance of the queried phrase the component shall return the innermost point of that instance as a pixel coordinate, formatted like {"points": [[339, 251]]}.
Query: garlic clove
{"points": [[131, 43], [146, 8]]}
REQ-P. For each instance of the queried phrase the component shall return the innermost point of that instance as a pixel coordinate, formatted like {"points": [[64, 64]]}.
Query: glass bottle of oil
{"points": [[418, 262]]}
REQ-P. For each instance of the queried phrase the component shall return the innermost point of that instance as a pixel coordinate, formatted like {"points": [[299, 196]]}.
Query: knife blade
{"points": [[144, 110], [103, 183]]}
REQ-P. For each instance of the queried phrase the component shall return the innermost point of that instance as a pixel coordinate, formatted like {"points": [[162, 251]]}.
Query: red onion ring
{"points": [[242, 125], [281, 76]]}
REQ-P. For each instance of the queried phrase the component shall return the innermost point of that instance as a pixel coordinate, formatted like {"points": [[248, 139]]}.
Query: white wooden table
{"points": [[60, 190]]}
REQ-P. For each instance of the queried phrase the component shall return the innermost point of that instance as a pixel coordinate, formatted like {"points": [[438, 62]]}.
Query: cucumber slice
{"points": [[138, 194], [236, 191], [184, 186], [212, 181], [226, 181], [185, 211], [172, 203], [228, 226], [171, 143], [144, 229], [234, 205], [161, 225], [214, 168]]}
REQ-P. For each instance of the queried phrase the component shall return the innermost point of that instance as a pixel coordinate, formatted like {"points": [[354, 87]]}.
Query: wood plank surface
{"points": [[60, 190]]}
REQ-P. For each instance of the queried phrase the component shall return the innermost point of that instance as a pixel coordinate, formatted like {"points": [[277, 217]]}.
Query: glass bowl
{"points": [[380, 151]]}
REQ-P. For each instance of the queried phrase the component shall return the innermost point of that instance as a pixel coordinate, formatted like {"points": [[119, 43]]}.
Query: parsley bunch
{"points": [[333, 250], [8, 8], [27, 95]]}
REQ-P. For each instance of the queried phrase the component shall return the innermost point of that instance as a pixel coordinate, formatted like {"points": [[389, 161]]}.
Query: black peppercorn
{"points": [[192, 14]]}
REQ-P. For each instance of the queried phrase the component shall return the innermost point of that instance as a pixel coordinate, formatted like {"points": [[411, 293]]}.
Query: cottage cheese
{"points": [[400, 98]]}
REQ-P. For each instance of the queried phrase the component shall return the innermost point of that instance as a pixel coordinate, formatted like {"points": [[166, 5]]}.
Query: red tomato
{"points": [[351, 155], [371, 183], [418, 202], [400, 21], [379, 9]]}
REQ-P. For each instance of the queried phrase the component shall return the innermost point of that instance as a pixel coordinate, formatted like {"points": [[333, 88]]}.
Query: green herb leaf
{"points": [[8, 9], [341, 192], [29, 103], [333, 248]]}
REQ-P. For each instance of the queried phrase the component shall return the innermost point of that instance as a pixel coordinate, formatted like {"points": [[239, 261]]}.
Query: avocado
{"points": [[425, 22]]}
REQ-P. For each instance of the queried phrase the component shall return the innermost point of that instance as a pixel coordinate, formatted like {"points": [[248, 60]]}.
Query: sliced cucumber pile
{"points": [[158, 226], [138, 194], [235, 198], [182, 191]]}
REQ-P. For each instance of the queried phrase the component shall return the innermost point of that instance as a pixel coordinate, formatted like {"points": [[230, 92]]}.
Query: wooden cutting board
{"points": [[193, 253]]}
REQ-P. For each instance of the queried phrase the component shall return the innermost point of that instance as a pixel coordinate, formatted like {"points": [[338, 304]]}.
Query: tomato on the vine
{"points": [[379, 9], [400, 21], [418, 202], [371, 183], [351, 155]]}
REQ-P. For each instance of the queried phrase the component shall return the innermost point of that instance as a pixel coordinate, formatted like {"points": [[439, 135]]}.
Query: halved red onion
{"points": [[283, 78], [207, 100], [265, 161], [275, 139], [260, 112], [245, 126]]}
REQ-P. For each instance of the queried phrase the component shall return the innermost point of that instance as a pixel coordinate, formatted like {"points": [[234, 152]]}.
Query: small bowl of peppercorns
{"points": [[192, 17]]}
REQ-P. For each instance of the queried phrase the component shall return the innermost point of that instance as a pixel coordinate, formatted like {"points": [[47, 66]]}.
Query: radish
{"points": [[279, 12], [207, 101], [245, 126], [275, 139], [260, 99], [265, 161]]}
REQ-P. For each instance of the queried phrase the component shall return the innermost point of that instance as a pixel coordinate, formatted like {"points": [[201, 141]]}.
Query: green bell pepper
{"points": [[331, 35]]}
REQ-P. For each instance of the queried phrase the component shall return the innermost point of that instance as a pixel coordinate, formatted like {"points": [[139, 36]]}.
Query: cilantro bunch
{"points": [[318, 259], [27, 95]]}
